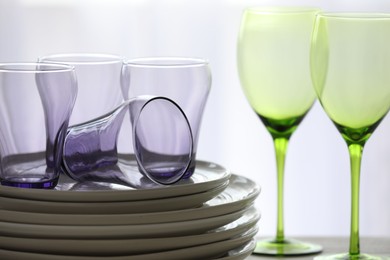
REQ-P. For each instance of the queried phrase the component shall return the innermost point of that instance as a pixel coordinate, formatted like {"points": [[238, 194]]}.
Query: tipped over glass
{"points": [[160, 134]]}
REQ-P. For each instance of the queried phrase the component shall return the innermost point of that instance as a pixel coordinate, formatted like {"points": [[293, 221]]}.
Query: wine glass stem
{"points": [[355, 152], [281, 144]]}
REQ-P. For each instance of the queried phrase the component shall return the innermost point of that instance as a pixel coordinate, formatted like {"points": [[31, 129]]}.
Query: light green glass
{"points": [[274, 69], [350, 64]]}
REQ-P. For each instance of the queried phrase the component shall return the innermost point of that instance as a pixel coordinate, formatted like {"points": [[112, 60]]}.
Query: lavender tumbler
{"points": [[157, 135], [98, 78], [187, 81], [160, 134], [36, 101]]}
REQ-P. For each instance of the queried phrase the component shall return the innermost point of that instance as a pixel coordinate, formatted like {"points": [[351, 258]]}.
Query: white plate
{"points": [[117, 247], [207, 251], [183, 228], [241, 252], [117, 207], [240, 193], [207, 176]]}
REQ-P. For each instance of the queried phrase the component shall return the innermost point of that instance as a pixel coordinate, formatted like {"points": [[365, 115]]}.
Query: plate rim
{"points": [[247, 249], [152, 205], [166, 191], [237, 228], [205, 211], [216, 247], [119, 231]]}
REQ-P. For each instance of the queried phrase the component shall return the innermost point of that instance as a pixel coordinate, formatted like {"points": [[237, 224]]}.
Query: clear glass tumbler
{"points": [[98, 79], [36, 101], [186, 81]]}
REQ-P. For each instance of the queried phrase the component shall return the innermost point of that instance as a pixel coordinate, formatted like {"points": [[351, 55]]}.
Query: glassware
{"points": [[273, 65], [36, 101], [187, 81], [98, 79], [350, 61], [162, 141], [91, 145]]}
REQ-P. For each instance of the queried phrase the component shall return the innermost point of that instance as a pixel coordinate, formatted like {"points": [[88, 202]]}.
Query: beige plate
{"points": [[206, 251], [172, 229], [118, 207], [112, 247], [207, 176], [239, 194]]}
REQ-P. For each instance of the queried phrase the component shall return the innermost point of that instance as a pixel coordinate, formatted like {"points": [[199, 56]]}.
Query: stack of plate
{"points": [[209, 216]]}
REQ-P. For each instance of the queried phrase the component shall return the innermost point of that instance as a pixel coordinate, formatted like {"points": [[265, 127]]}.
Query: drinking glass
{"points": [[350, 62], [98, 79], [36, 101], [273, 64], [160, 134], [157, 134], [187, 81]]}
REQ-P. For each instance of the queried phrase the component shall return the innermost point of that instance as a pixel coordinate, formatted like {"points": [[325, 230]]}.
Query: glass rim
{"points": [[79, 58], [354, 15], [166, 62], [31, 67], [282, 9], [172, 102]]}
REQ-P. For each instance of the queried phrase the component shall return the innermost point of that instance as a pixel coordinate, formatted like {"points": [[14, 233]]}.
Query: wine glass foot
{"points": [[285, 248], [347, 256]]}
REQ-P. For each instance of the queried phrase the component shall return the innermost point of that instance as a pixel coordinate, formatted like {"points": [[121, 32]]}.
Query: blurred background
{"points": [[317, 180]]}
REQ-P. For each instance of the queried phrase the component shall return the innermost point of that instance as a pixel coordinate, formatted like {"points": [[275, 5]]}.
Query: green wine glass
{"points": [[274, 69], [350, 64]]}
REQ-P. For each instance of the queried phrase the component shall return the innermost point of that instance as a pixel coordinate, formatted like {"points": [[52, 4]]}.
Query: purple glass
{"points": [[160, 134], [187, 81], [99, 135], [98, 79], [36, 100]]}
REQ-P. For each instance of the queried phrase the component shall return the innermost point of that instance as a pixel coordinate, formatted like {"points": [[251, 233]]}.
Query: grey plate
{"points": [[239, 194], [206, 251], [116, 207], [207, 176], [112, 247]]}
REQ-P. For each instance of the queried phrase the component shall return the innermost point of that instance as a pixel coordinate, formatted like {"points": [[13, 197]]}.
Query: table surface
{"points": [[332, 245]]}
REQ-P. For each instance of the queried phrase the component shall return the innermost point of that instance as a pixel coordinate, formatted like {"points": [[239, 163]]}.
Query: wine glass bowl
{"points": [[350, 61], [273, 62], [274, 69], [349, 77]]}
